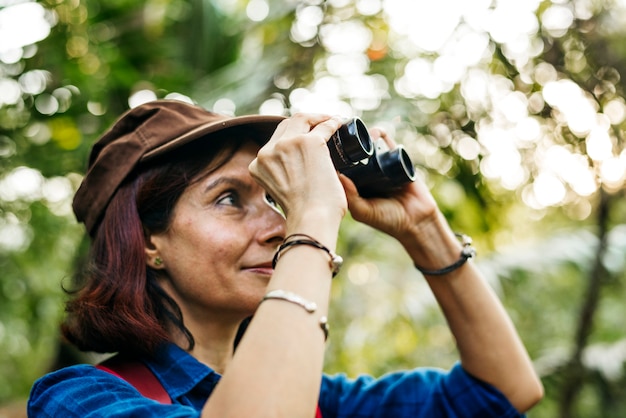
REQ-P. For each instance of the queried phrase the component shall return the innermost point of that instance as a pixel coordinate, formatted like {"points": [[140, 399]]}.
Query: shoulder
{"points": [[84, 390], [81, 375], [58, 391]]}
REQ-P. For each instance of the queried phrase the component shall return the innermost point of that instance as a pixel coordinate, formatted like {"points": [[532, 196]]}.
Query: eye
{"points": [[269, 199], [274, 204], [229, 199]]}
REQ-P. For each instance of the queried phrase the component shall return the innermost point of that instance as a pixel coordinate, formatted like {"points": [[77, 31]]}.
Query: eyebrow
{"points": [[231, 181]]}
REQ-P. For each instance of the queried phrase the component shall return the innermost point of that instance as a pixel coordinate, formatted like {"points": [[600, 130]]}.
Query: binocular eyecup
{"points": [[374, 170]]}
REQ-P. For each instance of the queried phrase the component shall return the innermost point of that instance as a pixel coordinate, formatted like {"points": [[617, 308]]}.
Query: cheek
{"points": [[223, 247], [228, 247], [208, 245]]}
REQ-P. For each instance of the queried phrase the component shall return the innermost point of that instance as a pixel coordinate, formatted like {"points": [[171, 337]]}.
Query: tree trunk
{"points": [[574, 371]]}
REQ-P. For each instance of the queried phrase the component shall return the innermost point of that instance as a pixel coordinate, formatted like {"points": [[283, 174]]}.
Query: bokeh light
{"points": [[438, 48], [22, 24]]}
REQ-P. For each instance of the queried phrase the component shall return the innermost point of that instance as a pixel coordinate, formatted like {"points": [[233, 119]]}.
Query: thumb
{"points": [[357, 205]]}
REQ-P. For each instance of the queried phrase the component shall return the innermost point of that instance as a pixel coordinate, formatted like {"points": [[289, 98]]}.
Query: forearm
{"points": [[489, 346], [278, 364]]}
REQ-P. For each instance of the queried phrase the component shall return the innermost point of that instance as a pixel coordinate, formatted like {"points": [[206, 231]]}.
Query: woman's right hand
{"points": [[295, 168], [281, 356]]}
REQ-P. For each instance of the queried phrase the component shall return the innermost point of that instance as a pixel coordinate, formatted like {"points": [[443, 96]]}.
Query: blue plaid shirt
{"points": [[84, 391]]}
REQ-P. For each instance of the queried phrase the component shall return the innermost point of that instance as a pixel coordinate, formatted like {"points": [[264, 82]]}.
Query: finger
{"points": [[359, 207], [312, 128], [302, 123], [379, 133], [327, 128], [348, 186], [296, 126], [253, 168], [355, 201], [280, 130]]}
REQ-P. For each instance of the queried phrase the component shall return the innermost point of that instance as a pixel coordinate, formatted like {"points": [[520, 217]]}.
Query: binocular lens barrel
{"points": [[374, 173], [397, 164], [383, 173], [350, 144]]}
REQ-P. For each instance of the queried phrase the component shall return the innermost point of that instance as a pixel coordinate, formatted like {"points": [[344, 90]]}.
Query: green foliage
{"points": [[537, 254]]}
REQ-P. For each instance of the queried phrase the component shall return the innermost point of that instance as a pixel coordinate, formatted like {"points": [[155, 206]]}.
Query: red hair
{"points": [[104, 316]]}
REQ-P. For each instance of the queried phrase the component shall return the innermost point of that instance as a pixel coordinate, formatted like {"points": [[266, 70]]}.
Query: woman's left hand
{"points": [[399, 215]]}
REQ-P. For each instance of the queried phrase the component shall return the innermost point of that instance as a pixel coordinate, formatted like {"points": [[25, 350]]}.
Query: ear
{"points": [[153, 255]]}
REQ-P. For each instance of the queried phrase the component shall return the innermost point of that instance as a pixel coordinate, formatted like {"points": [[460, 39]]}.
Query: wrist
{"points": [[323, 224], [432, 245], [467, 252]]}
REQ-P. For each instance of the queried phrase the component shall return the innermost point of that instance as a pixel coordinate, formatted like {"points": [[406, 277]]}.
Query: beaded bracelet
{"points": [[467, 252], [296, 299], [336, 261]]}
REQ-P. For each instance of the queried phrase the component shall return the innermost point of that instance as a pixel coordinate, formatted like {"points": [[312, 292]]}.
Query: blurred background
{"points": [[513, 112]]}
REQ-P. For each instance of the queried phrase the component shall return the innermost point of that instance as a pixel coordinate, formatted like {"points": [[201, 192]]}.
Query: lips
{"points": [[264, 268]]}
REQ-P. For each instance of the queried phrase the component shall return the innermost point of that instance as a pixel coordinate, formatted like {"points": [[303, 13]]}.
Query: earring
{"points": [[158, 261]]}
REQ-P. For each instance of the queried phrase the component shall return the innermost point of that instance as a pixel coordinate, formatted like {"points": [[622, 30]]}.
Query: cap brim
{"points": [[265, 125]]}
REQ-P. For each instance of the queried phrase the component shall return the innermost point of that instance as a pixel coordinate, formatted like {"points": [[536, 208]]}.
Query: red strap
{"points": [[137, 374]]}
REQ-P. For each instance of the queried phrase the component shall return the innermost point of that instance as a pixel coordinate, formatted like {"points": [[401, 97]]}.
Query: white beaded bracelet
{"points": [[296, 299]]}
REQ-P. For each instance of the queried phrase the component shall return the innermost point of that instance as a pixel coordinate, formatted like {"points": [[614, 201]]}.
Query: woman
{"points": [[187, 243]]}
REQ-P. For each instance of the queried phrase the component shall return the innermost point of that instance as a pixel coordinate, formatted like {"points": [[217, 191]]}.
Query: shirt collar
{"points": [[180, 372]]}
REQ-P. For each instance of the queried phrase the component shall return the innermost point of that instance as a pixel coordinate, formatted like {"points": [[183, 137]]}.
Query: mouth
{"points": [[265, 269]]}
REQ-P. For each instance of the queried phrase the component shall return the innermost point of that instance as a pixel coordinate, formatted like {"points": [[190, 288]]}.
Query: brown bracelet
{"points": [[335, 263]]}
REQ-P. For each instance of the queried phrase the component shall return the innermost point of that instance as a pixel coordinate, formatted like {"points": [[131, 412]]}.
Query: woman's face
{"points": [[218, 250]]}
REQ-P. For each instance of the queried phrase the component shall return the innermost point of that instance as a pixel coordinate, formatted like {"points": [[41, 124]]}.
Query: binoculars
{"points": [[375, 171]]}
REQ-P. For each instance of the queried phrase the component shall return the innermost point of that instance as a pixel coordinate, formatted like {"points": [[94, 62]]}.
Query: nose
{"points": [[273, 225]]}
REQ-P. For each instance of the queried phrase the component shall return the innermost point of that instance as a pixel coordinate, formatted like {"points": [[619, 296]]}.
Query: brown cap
{"points": [[145, 132]]}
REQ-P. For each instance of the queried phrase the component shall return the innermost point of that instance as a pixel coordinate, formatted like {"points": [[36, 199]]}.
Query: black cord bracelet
{"points": [[335, 260], [466, 253]]}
